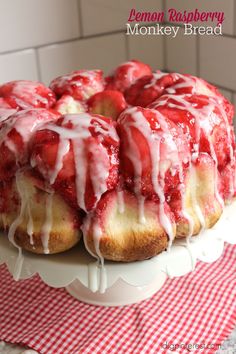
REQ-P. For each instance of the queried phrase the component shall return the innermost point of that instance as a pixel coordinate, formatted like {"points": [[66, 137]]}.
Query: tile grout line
{"points": [[127, 50], [63, 42], [97, 35], [80, 18], [38, 64]]}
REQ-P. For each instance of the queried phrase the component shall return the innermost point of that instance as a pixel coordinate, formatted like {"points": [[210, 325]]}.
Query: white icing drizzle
{"points": [[99, 160], [26, 91], [195, 202], [203, 121], [120, 202], [155, 78], [132, 67], [47, 226], [73, 79], [20, 217], [85, 228], [5, 113], [97, 234], [96, 271], [17, 222], [188, 81], [25, 123], [182, 190], [63, 149], [99, 167], [30, 225], [153, 139]]}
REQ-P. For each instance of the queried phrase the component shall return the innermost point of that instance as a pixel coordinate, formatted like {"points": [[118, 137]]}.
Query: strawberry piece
{"points": [[15, 134], [126, 74], [154, 152], [188, 84], [24, 94], [107, 103], [67, 104], [203, 121], [5, 103], [148, 88], [78, 156], [80, 84]]}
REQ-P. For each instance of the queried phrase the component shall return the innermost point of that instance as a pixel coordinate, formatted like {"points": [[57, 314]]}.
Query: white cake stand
{"points": [[120, 283]]}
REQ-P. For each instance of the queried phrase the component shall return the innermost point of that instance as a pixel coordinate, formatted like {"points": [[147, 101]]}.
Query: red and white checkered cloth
{"points": [[198, 309]]}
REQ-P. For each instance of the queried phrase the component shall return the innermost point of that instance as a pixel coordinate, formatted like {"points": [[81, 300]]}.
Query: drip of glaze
{"points": [[47, 226], [25, 123], [120, 202], [140, 123], [29, 90], [30, 225], [85, 228], [81, 171], [14, 226], [18, 265], [202, 122], [97, 276], [187, 82], [63, 149], [73, 80], [185, 214], [20, 217], [195, 203], [131, 70], [190, 252], [99, 160], [6, 113], [155, 78]]}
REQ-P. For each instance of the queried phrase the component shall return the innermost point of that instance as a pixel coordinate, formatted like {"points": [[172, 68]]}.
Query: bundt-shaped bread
{"points": [[130, 162]]}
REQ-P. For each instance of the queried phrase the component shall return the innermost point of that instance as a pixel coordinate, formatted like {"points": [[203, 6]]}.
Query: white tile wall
{"points": [[26, 23], [218, 60], [103, 52], [148, 49], [181, 53], [99, 16], [227, 6], [18, 66]]}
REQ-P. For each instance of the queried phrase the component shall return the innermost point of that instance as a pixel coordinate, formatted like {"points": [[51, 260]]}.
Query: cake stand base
{"points": [[120, 294]]}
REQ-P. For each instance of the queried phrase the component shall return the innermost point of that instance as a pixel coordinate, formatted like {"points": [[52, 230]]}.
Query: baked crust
{"points": [[63, 224], [123, 236]]}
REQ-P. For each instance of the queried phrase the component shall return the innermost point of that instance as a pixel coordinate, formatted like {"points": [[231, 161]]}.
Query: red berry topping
{"points": [[126, 74], [203, 121], [78, 156], [15, 134], [148, 88], [24, 94], [153, 152], [79, 84]]}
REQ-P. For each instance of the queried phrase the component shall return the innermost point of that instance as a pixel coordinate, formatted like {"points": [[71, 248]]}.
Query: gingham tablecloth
{"points": [[194, 313]]}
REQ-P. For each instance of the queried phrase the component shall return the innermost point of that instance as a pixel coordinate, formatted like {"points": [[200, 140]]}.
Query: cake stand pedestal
{"points": [[118, 284]]}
